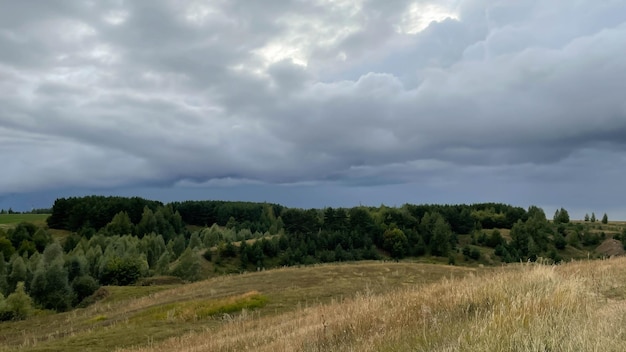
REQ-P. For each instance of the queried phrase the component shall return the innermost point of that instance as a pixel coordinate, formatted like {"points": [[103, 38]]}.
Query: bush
{"points": [[84, 286], [559, 241], [207, 255], [475, 254], [17, 306], [121, 271]]}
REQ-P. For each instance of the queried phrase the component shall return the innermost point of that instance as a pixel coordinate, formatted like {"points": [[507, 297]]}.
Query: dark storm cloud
{"points": [[349, 93]]}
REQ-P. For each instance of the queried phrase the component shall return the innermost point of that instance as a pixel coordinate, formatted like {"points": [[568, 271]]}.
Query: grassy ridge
{"points": [[573, 307], [366, 306], [140, 316]]}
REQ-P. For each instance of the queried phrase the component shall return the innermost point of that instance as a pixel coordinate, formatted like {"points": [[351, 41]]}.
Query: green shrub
{"points": [[84, 286], [17, 306]]}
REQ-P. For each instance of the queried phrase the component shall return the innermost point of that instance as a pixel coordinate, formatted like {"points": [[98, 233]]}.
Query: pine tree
{"points": [[593, 217], [605, 219]]}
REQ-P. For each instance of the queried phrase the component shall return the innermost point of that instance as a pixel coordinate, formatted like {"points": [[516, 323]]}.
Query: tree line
{"points": [[118, 241]]}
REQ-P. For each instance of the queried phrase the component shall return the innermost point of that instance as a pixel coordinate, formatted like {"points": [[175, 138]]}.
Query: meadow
{"points": [[10, 220], [144, 315], [365, 306], [577, 306]]}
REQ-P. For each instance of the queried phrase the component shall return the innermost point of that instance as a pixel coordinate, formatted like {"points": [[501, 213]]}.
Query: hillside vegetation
{"points": [[117, 241], [367, 306], [573, 307], [144, 315], [93, 272]]}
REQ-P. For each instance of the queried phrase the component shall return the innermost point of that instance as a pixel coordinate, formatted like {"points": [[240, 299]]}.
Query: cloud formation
{"points": [[114, 93]]}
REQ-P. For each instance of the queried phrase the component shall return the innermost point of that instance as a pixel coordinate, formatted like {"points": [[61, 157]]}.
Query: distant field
{"points": [[10, 220]]}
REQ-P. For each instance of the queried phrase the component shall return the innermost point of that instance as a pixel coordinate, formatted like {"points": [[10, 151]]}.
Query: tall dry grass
{"points": [[572, 307]]}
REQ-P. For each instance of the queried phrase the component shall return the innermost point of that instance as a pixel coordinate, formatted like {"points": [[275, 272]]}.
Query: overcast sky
{"points": [[316, 103]]}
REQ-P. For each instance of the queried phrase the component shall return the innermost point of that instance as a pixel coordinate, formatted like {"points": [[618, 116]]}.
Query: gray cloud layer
{"points": [[112, 93]]}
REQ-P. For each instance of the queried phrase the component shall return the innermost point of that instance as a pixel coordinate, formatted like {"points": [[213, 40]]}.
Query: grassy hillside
{"points": [[573, 307], [579, 306], [140, 316]]}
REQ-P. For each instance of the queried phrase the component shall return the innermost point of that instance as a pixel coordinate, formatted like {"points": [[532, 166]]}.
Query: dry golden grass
{"points": [[574, 307], [147, 315]]}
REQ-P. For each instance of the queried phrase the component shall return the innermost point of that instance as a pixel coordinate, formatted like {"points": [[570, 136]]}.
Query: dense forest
{"points": [[120, 241]]}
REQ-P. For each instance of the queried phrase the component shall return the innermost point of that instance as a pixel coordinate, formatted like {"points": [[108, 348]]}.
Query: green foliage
{"points": [[4, 284], [590, 238], [24, 231], [6, 247], [95, 211], [162, 265], [255, 216], [203, 309], [83, 287], [561, 216], [19, 272], [189, 266], [441, 234], [120, 224], [121, 271], [494, 239], [593, 217], [17, 306], [50, 286], [520, 238], [395, 242], [177, 245], [27, 248], [194, 241], [207, 255], [227, 250], [605, 219], [559, 241], [147, 224]]}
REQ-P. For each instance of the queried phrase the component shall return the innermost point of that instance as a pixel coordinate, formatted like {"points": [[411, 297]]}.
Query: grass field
{"points": [[369, 306], [136, 316], [10, 220], [579, 306]]}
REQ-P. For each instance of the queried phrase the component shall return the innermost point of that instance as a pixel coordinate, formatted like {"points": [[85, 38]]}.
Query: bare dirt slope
{"points": [[611, 247]]}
